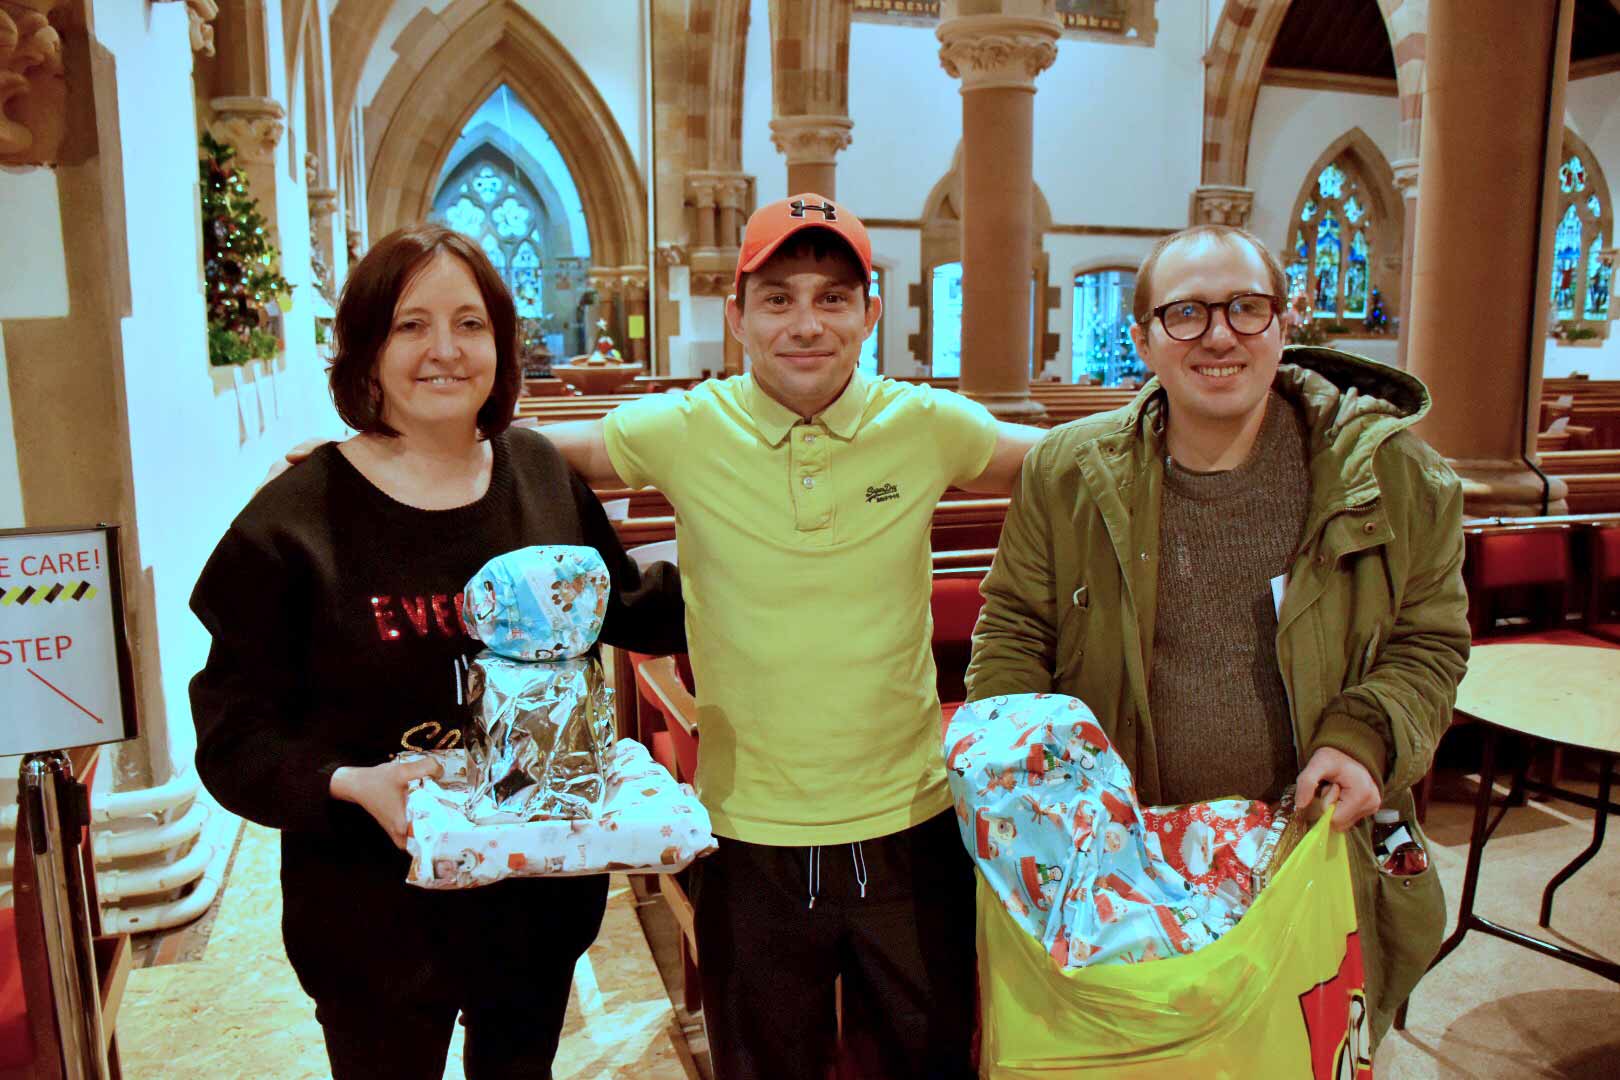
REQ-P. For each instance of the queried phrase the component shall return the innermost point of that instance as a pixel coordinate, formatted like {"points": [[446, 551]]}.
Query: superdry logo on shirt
{"points": [[882, 493]]}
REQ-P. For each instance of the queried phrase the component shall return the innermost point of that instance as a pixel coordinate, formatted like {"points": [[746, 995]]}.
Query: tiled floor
{"points": [[1492, 1010]]}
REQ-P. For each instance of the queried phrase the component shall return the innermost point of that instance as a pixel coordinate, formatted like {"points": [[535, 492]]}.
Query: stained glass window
{"points": [[507, 185], [1331, 259], [1102, 347], [1582, 279], [1355, 279], [1599, 282], [946, 311]]}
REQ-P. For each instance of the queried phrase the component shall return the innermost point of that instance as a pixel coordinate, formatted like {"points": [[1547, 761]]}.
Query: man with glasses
{"points": [[1252, 574]]}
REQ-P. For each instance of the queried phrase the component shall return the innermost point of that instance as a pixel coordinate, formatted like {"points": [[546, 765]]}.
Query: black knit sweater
{"points": [[337, 638]]}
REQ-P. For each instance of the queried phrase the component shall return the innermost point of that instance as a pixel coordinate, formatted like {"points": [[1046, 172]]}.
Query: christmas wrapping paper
{"points": [[539, 603], [1050, 815], [648, 824]]}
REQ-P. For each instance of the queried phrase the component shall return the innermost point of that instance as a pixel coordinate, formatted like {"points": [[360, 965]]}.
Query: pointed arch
{"points": [[1384, 211], [352, 31], [1582, 284], [1237, 57], [504, 44]]}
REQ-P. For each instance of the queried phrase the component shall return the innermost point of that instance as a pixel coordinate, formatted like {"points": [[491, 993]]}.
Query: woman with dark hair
{"points": [[334, 601]]}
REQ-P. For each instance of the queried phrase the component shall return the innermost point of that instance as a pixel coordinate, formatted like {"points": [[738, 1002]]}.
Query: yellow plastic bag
{"points": [[1280, 995]]}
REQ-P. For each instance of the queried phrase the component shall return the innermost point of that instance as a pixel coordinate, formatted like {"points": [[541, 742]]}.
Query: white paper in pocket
{"points": [[1279, 585]]}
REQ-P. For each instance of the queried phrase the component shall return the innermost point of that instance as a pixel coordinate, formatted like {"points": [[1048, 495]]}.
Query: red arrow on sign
{"points": [[64, 697]]}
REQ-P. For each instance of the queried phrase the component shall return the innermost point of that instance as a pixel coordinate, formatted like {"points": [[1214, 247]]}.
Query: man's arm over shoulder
{"points": [[1000, 476], [1015, 640], [583, 445], [1407, 694]]}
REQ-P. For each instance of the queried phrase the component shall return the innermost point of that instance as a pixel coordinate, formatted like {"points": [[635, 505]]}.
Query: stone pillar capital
{"points": [[701, 189], [253, 125], [671, 254], [323, 202], [33, 95], [1406, 176], [604, 281], [732, 191], [633, 282], [1222, 204], [811, 139], [998, 51]]}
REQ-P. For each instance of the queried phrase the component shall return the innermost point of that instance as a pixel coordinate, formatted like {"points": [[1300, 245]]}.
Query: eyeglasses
{"points": [[1247, 314]]}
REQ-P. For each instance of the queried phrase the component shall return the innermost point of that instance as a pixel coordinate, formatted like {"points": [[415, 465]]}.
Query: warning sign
{"points": [[65, 677]]}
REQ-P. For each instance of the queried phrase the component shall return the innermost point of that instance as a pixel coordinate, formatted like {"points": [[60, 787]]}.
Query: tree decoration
{"points": [[1377, 320], [240, 264]]}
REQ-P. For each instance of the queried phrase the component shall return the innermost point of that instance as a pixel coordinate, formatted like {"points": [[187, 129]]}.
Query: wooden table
{"points": [[1568, 695]]}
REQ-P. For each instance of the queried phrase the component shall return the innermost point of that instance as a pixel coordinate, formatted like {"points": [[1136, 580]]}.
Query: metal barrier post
{"points": [[52, 806]]}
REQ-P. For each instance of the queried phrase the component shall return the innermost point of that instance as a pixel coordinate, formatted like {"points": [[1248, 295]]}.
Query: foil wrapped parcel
{"points": [[539, 739], [542, 722]]}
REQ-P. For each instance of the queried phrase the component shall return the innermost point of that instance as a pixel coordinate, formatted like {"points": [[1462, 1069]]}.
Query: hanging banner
{"points": [[65, 674]]}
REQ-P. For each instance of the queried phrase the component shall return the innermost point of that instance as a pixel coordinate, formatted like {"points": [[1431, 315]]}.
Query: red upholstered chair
{"points": [[955, 602], [1603, 593], [1518, 579]]}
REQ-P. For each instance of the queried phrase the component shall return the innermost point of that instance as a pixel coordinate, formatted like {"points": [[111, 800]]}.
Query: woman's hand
{"points": [[379, 790]]}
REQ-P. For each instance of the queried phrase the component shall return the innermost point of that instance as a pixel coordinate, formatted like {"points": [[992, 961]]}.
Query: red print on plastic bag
{"points": [[1336, 1020]]}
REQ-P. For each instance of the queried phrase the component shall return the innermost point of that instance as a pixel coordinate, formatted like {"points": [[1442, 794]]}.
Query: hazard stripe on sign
{"points": [[48, 594]]}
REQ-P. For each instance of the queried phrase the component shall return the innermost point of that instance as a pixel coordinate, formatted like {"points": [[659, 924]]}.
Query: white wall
{"points": [[603, 36], [201, 439], [1291, 129]]}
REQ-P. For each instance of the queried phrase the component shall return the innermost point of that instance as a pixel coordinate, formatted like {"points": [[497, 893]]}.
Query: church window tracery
{"points": [[1582, 274], [1332, 252]]}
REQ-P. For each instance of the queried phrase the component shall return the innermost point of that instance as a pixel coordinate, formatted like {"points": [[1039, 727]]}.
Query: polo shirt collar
{"points": [[775, 420]]}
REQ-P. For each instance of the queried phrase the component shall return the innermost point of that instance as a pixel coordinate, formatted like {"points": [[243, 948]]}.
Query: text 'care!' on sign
{"points": [[64, 660]]}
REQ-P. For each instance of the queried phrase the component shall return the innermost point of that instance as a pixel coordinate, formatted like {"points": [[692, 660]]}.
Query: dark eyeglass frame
{"points": [[1276, 304]]}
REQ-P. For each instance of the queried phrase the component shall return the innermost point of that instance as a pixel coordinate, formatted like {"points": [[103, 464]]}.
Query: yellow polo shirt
{"points": [[804, 553]]}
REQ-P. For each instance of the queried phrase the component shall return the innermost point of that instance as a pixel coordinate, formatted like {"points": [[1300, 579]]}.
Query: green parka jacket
{"points": [[1372, 634]]}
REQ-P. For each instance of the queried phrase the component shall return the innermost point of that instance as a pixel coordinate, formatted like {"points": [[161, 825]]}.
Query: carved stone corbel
{"points": [[1222, 204], [253, 125], [671, 254], [33, 92]]}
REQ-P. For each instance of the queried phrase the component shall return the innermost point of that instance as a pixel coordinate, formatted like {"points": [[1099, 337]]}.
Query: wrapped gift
{"points": [[539, 738], [542, 722], [648, 824], [539, 603], [1049, 812]]}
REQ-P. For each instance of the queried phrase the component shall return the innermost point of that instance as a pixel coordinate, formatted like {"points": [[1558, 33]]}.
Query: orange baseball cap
{"points": [[771, 225]]}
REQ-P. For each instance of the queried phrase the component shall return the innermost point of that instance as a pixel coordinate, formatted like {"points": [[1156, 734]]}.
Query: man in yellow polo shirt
{"points": [[803, 494]]}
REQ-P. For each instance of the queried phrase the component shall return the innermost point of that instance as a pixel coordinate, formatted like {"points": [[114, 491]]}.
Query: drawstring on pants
{"points": [[857, 857]]}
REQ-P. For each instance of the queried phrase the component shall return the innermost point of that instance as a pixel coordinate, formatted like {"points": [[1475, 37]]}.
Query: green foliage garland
{"points": [[239, 262]]}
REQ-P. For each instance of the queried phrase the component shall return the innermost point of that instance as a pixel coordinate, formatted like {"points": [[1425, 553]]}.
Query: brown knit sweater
{"points": [[1220, 711]]}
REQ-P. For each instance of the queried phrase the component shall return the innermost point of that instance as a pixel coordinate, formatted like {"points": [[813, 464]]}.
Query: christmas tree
{"points": [[1377, 320], [239, 262]]}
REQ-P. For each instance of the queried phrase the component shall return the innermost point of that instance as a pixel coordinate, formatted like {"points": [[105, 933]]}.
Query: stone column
{"points": [[633, 286], [323, 203], [732, 197], [1222, 204], [1406, 182], [811, 144], [700, 191], [1497, 70], [254, 126], [997, 58]]}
